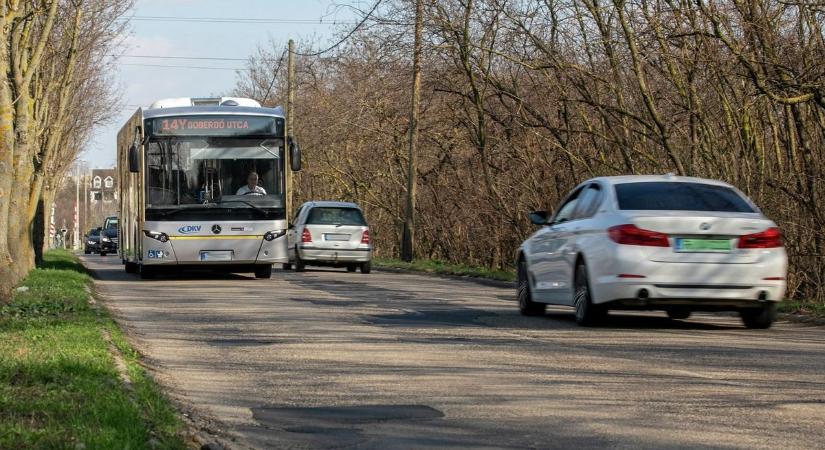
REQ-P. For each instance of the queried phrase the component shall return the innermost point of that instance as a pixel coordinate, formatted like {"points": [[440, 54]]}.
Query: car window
{"points": [[335, 216], [297, 213], [680, 196], [94, 232], [567, 209], [589, 202]]}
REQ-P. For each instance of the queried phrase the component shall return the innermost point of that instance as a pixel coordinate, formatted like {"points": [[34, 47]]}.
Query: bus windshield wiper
{"points": [[251, 205]]}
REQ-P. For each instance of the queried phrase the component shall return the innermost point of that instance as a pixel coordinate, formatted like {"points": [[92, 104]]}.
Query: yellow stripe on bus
{"points": [[229, 236]]}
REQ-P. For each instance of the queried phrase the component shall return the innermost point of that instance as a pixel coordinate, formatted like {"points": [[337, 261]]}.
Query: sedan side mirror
{"points": [[539, 217], [294, 155], [134, 160]]}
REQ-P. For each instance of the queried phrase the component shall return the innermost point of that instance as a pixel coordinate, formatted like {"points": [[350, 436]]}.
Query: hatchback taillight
{"points": [[365, 238], [306, 237], [630, 234], [770, 238]]}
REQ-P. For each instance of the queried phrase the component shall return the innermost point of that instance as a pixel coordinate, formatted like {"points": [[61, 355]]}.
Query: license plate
{"points": [[220, 255], [703, 245], [336, 237]]}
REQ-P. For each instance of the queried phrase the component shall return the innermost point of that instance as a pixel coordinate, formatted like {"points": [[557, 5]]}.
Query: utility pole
{"points": [[290, 121], [408, 234]]}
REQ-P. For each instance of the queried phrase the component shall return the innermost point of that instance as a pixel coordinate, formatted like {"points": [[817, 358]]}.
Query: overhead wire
{"points": [[348, 35], [243, 20], [183, 67]]}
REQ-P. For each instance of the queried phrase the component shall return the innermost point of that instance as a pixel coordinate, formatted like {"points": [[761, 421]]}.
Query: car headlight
{"points": [[106, 239], [157, 235], [272, 235], [90, 242]]}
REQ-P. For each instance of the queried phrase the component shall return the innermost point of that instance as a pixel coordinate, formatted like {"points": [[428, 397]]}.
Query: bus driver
{"points": [[251, 188]]}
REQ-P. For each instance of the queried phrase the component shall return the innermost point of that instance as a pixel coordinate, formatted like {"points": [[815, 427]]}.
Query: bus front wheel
{"points": [[263, 271]]}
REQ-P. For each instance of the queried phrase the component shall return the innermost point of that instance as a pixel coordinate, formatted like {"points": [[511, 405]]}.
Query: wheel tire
{"points": [[587, 314], [86, 252], [366, 267], [759, 318], [146, 273], [102, 253], [131, 267], [287, 266], [263, 271], [300, 266], [678, 314], [526, 305], [351, 268]]}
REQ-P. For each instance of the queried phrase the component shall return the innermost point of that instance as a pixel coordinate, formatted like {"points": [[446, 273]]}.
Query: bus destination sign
{"points": [[235, 125]]}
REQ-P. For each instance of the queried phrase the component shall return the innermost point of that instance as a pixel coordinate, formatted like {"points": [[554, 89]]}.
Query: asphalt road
{"points": [[329, 359]]}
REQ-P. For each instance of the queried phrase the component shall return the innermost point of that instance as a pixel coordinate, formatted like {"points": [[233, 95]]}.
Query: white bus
{"points": [[186, 170]]}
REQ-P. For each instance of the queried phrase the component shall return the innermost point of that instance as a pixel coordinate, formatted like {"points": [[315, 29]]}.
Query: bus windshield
{"points": [[189, 171]]}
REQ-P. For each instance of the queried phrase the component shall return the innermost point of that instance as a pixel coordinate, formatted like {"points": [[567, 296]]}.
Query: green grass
{"points": [[59, 387], [799, 307], [440, 267]]}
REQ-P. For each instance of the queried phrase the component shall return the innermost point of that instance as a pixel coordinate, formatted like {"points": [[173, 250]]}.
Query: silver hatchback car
{"points": [[332, 234]]}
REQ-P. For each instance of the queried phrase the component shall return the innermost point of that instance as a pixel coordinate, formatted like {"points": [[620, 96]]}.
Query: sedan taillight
{"points": [[365, 238], [306, 236], [630, 234], [770, 238]]}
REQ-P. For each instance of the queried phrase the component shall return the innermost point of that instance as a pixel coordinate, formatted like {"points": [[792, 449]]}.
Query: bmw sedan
{"points": [[668, 243]]}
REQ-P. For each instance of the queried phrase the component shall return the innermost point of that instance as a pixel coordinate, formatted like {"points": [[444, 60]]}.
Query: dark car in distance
{"points": [[109, 236], [91, 242]]}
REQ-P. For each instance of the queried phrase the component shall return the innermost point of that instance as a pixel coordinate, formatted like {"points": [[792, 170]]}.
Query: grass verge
{"points": [[440, 267], [59, 386], [806, 308]]}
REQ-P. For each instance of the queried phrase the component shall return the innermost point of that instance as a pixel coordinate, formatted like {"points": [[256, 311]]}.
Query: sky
{"points": [[140, 85]]}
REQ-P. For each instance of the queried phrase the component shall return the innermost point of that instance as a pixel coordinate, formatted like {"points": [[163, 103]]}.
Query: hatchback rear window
{"points": [[336, 216], [679, 196]]}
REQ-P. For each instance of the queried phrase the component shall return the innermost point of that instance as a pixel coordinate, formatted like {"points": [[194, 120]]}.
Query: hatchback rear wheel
{"points": [[586, 312], [366, 267], [526, 305]]}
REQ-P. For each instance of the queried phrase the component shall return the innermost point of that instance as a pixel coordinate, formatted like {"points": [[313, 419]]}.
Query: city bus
{"points": [[188, 198]]}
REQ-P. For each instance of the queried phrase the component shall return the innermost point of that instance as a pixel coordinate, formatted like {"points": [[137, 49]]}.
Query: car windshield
{"points": [[94, 232], [680, 196], [111, 223], [189, 171], [335, 216]]}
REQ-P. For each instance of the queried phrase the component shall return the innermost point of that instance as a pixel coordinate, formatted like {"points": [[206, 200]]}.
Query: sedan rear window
{"points": [[336, 216], [680, 196]]}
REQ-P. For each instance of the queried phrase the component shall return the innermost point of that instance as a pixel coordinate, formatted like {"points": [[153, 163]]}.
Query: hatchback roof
{"points": [[331, 204], [660, 178]]}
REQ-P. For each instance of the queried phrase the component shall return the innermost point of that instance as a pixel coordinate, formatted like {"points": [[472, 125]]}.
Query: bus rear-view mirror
{"points": [[134, 161], [294, 156]]}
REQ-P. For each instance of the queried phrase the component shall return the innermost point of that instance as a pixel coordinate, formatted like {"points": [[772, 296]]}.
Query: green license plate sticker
{"points": [[703, 245]]}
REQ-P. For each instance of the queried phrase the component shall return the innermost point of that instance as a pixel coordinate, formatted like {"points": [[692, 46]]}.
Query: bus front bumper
{"points": [[211, 251]]}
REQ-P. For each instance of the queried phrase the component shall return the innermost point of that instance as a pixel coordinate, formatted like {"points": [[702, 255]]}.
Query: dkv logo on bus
{"points": [[189, 229]]}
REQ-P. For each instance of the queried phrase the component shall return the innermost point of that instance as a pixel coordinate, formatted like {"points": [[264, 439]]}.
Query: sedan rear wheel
{"points": [[526, 305], [587, 313], [678, 314], [759, 318]]}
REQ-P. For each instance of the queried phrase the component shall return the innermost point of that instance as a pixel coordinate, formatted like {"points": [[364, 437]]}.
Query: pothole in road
{"points": [[433, 317], [325, 302], [241, 342], [315, 419]]}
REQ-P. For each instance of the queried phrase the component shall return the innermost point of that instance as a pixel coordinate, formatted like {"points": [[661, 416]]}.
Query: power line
{"points": [[243, 20], [204, 58], [355, 29], [274, 76], [182, 67]]}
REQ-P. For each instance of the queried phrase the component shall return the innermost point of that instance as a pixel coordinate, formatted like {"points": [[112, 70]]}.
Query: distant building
{"points": [[102, 186]]}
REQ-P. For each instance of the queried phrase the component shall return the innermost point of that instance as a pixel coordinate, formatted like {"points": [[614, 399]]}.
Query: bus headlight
{"points": [[272, 235], [157, 235]]}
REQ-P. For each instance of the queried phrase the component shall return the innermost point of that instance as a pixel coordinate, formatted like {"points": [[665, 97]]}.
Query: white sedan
{"points": [[668, 243]]}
